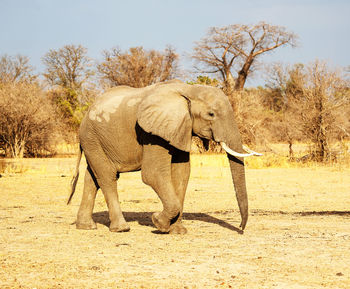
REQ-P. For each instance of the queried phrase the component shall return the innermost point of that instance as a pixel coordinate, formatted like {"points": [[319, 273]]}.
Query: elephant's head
{"points": [[176, 111]]}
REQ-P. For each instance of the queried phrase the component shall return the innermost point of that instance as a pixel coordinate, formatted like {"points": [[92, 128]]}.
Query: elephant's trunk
{"points": [[227, 134], [235, 154], [238, 177]]}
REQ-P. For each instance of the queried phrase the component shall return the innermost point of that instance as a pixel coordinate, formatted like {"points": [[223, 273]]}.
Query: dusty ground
{"points": [[298, 233]]}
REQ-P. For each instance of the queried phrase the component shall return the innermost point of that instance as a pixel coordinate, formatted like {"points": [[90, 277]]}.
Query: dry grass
{"points": [[298, 233]]}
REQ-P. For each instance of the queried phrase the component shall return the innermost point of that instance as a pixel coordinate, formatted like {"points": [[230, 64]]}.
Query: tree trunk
{"points": [[243, 74], [322, 149], [230, 88], [8, 153], [291, 152], [17, 149]]}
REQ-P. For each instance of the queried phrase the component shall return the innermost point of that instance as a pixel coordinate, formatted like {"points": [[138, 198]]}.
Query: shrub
{"points": [[27, 120]]}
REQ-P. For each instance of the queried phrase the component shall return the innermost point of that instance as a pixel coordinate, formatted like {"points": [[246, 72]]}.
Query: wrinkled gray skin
{"points": [[128, 129]]}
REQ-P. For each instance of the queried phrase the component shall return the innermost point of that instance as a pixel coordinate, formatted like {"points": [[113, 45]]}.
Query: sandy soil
{"points": [[298, 233]]}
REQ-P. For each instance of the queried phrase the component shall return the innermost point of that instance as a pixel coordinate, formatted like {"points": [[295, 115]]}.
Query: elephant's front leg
{"points": [[180, 173], [156, 172]]}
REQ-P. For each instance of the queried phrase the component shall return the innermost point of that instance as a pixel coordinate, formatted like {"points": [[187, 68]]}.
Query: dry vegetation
{"points": [[297, 234]]}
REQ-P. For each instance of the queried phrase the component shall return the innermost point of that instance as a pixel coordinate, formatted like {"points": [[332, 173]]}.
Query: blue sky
{"points": [[33, 27]]}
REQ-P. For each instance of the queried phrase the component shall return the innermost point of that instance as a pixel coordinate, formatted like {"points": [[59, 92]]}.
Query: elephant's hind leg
{"points": [[106, 177], [109, 189], [84, 218]]}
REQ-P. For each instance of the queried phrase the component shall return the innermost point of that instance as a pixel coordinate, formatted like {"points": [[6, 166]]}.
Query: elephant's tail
{"points": [[74, 180]]}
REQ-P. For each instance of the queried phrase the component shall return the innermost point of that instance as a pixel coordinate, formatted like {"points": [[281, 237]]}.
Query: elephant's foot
{"points": [[119, 228], [178, 228], [89, 225], [162, 223]]}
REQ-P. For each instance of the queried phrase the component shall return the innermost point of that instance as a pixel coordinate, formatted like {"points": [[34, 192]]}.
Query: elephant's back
{"points": [[110, 123]]}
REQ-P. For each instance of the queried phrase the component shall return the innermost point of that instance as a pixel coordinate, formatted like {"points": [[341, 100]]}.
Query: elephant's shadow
{"points": [[145, 219]]}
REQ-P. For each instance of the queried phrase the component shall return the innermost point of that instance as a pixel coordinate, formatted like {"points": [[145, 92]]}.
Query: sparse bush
{"points": [[315, 99], [27, 120]]}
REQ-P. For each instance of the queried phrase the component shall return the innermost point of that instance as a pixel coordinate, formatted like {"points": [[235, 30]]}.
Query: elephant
{"points": [[150, 129]]}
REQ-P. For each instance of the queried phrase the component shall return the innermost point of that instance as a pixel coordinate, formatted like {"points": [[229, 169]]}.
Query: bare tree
{"points": [[68, 72], [237, 48], [16, 69], [315, 100], [27, 119], [137, 67], [67, 67]]}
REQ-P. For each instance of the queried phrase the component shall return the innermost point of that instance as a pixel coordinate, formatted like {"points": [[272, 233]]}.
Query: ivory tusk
{"points": [[236, 154], [251, 151]]}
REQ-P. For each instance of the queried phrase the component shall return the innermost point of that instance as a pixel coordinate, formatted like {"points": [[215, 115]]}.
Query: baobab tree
{"points": [[236, 48]]}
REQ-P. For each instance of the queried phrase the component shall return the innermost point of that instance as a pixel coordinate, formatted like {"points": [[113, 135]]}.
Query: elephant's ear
{"points": [[167, 115]]}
